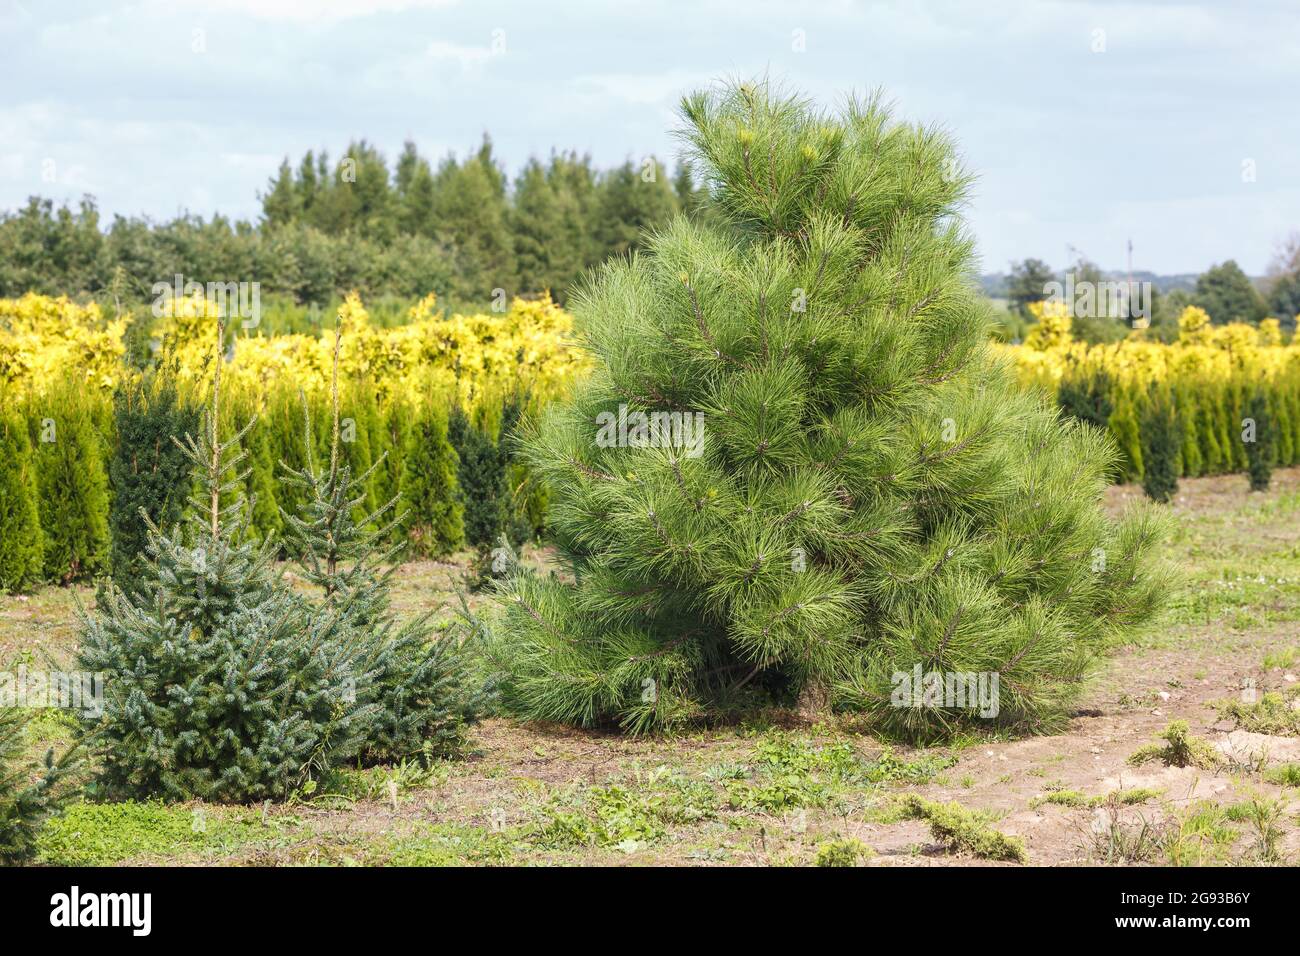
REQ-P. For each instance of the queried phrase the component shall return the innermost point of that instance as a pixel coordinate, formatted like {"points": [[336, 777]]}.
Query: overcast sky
{"points": [[1173, 124]]}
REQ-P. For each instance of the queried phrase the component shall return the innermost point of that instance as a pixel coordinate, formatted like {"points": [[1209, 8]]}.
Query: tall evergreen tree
{"points": [[870, 492], [537, 228], [481, 476], [72, 481], [1228, 295], [634, 200], [435, 522], [472, 216], [1162, 434], [1260, 446]]}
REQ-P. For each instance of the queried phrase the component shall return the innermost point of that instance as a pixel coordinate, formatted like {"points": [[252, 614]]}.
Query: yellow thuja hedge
{"points": [[399, 387], [1211, 372], [43, 339], [467, 357]]}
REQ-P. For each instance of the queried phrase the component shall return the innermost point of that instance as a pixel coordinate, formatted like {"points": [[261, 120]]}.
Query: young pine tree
{"points": [[1257, 433], [21, 541], [222, 683], [420, 685], [870, 492]]}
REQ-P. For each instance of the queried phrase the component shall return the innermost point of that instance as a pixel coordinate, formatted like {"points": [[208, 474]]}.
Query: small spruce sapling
{"points": [[222, 683], [28, 795], [419, 684]]}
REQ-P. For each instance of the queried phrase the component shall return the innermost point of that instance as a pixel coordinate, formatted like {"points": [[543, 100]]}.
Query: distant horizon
{"points": [[1087, 123]]}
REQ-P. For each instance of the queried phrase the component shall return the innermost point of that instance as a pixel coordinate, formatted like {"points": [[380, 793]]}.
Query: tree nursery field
{"points": [[754, 547], [781, 789]]}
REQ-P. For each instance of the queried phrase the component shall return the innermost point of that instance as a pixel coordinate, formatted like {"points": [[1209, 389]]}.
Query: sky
{"points": [[1173, 125]]}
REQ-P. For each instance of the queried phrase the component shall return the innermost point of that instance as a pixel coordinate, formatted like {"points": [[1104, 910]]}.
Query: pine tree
{"points": [[21, 541], [420, 686], [1259, 447], [222, 682], [1162, 434], [853, 486], [28, 795]]}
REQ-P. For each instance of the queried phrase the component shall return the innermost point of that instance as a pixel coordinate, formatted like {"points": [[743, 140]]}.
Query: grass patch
{"points": [[1283, 659], [616, 816], [450, 844], [100, 834], [1201, 835], [1272, 714], [965, 831], [841, 853], [1180, 749], [1284, 775]]}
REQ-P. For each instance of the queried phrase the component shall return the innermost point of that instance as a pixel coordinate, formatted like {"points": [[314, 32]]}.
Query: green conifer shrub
{"points": [[1086, 397], [871, 492], [21, 542], [420, 686], [1260, 447], [70, 455], [434, 523], [1127, 433], [482, 478], [1162, 434], [148, 472]]}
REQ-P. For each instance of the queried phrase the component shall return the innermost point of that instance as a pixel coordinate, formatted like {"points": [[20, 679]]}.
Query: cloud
{"points": [[466, 57], [312, 11]]}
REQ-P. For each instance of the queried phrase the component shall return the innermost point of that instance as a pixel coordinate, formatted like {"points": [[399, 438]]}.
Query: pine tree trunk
{"points": [[814, 700]]}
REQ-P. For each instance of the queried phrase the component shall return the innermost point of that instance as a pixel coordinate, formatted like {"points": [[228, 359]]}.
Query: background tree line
{"points": [[1224, 291], [328, 226]]}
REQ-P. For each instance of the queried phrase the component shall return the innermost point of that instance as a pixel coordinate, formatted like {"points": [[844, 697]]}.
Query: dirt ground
{"points": [[781, 792]]}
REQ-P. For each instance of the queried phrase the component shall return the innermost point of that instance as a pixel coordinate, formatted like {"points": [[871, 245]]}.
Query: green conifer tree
{"points": [[482, 478], [222, 683], [148, 472], [434, 522], [1161, 437], [420, 686], [1086, 396], [854, 486], [21, 542], [72, 483], [1258, 437]]}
